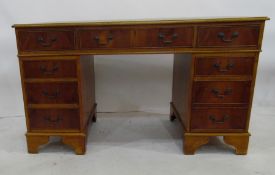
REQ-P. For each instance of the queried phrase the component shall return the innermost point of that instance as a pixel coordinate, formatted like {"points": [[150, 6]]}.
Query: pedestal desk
{"points": [[215, 65]]}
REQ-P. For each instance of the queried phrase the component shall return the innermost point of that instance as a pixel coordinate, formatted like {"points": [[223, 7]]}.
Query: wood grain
{"points": [[222, 119], [50, 69], [104, 38], [78, 143], [169, 36], [221, 92], [240, 143], [45, 39], [215, 65], [54, 119], [34, 142], [192, 143], [248, 36], [182, 86], [52, 93], [87, 89], [221, 65]]}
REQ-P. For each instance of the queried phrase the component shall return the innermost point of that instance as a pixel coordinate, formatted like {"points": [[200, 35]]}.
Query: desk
{"points": [[215, 65]]}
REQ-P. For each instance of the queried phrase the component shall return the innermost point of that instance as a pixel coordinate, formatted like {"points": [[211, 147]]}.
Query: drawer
{"points": [[164, 37], [228, 36], [104, 38], [50, 69], [52, 93], [221, 92], [54, 119], [224, 65], [218, 119], [45, 40]]}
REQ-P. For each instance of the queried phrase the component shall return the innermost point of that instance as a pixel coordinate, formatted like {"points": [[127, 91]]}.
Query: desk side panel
{"points": [[87, 88], [182, 85]]}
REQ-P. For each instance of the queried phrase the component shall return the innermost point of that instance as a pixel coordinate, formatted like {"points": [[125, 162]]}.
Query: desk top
{"points": [[143, 22]]}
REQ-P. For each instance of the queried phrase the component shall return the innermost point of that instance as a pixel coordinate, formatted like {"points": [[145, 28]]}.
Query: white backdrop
{"points": [[128, 82]]}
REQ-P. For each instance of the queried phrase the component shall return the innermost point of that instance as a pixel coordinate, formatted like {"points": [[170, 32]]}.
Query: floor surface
{"points": [[138, 144]]}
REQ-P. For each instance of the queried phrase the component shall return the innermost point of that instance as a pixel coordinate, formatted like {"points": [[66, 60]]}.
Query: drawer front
{"points": [[54, 119], [102, 38], [52, 93], [50, 69], [221, 92], [224, 65], [214, 119], [228, 36], [45, 40], [164, 37]]}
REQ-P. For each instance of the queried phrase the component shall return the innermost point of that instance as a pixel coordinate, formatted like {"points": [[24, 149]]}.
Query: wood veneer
{"points": [[214, 72], [48, 39], [50, 69], [228, 36]]}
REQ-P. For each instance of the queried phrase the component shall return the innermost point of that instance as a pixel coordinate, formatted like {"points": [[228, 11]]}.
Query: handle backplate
{"points": [[227, 68], [44, 70], [46, 43], [103, 40], [219, 94], [53, 95], [53, 121], [163, 37], [222, 121], [225, 39]]}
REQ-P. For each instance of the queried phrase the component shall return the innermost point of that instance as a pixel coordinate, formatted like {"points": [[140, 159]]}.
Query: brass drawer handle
{"points": [[45, 43], [51, 96], [218, 94], [105, 41], [45, 71], [49, 119], [234, 35], [222, 121], [163, 36], [228, 67]]}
